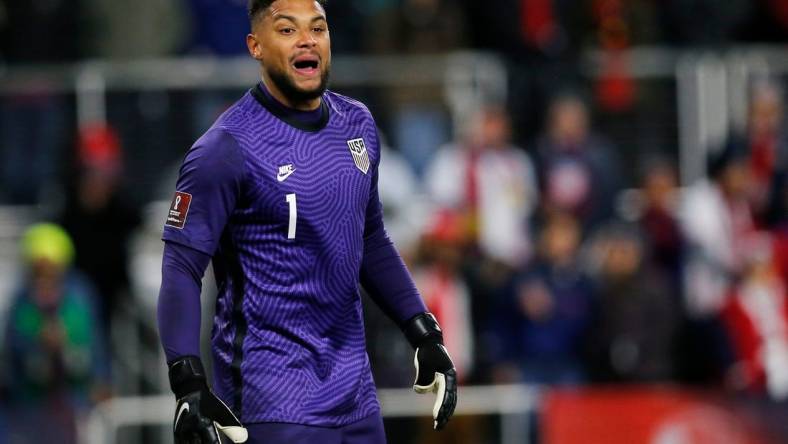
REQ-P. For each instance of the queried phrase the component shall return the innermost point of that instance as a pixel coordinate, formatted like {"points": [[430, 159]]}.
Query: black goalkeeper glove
{"points": [[435, 372], [199, 414]]}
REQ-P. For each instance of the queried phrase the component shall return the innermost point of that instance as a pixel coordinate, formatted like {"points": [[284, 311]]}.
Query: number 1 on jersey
{"points": [[291, 200]]}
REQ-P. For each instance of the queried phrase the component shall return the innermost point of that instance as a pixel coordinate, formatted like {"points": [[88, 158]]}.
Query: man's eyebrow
{"points": [[293, 19], [284, 17]]}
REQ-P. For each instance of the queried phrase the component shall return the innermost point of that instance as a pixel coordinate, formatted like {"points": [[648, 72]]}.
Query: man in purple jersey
{"points": [[281, 195]]}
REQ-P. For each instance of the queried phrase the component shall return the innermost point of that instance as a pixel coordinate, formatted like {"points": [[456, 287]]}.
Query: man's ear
{"points": [[255, 49]]}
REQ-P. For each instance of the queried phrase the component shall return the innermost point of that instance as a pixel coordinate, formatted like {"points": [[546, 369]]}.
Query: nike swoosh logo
{"points": [[184, 408], [281, 177]]}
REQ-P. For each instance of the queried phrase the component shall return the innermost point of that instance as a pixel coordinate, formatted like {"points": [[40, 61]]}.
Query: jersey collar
{"points": [[304, 120]]}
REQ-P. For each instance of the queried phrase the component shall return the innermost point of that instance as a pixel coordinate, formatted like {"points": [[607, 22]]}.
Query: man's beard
{"points": [[295, 94]]}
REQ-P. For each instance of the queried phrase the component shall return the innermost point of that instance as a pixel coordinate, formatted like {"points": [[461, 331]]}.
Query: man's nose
{"points": [[306, 39]]}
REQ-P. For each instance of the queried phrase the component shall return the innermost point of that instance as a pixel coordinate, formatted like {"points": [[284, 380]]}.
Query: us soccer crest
{"points": [[359, 152]]}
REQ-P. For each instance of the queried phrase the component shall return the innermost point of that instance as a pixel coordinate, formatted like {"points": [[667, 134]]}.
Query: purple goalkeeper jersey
{"points": [[288, 208]]}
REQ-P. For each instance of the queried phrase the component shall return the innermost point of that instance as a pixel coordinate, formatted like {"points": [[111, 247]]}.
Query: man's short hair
{"points": [[256, 7]]}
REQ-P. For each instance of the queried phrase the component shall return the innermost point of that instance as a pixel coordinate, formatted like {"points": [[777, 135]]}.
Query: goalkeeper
{"points": [[281, 195]]}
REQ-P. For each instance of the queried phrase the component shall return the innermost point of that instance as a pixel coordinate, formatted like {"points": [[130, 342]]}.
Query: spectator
{"points": [[637, 316], [715, 218], [101, 218], [492, 185], [552, 308], [579, 171], [53, 341], [756, 317], [659, 222], [439, 279]]}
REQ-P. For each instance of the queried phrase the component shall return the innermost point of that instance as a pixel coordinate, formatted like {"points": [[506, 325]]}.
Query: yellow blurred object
{"points": [[47, 241]]}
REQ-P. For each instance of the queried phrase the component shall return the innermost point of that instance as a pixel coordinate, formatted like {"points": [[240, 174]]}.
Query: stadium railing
{"points": [[514, 404]]}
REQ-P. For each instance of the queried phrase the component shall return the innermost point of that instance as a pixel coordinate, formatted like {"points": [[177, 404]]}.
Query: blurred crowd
{"points": [[55, 329], [564, 276], [87, 29], [544, 268], [541, 41], [550, 252]]}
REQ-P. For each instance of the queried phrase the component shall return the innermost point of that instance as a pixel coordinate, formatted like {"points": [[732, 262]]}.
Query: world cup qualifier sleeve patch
{"points": [[179, 209]]}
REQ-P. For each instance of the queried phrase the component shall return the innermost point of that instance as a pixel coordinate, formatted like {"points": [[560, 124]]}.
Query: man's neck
{"points": [[306, 120], [276, 93]]}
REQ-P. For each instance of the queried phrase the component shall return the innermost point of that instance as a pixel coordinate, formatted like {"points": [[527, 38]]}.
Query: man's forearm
{"points": [[387, 280], [179, 300]]}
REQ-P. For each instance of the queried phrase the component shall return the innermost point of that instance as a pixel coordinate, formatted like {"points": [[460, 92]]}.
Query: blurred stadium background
{"points": [[592, 195]]}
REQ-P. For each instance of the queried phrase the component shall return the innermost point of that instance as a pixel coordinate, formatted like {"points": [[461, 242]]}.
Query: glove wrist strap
{"points": [[187, 375], [421, 329]]}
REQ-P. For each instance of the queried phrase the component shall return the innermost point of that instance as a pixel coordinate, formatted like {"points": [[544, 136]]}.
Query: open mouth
{"points": [[306, 65]]}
